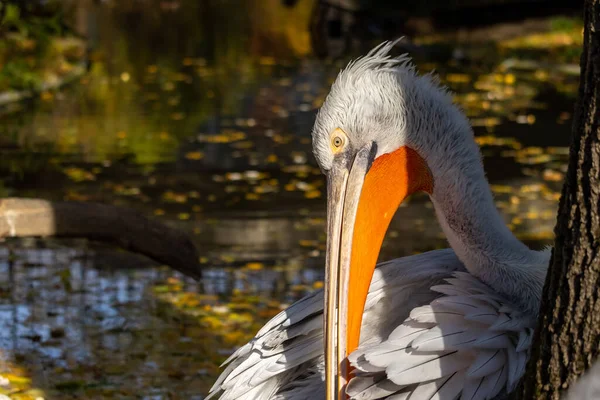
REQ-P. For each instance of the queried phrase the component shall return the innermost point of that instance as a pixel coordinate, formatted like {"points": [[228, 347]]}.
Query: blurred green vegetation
{"points": [[34, 45], [566, 24], [164, 83]]}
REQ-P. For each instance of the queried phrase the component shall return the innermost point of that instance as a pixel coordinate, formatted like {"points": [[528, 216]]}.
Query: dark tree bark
{"points": [[567, 339], [115, 225]]}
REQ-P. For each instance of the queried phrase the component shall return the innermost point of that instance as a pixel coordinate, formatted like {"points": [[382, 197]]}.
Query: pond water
{"points": [[202, 118]]}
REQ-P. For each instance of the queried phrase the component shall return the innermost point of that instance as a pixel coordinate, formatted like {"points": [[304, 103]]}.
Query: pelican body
{"points": [[446, 324]]}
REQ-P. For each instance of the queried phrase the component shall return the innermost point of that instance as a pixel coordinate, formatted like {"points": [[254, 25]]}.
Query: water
{"points": [[202, 118]]}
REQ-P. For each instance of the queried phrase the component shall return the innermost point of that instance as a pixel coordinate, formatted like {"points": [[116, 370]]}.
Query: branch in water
{"points": [[123, 227]]}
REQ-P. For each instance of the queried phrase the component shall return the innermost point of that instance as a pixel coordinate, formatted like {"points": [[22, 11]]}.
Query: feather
{"points": [[238, 353], [492, 340], [506, 322], [461, 304], [506, 309], [493, 384], [308, 350], [487, 362], [405, 333], [311, 304], [419, 367], [296, 351], [454, 339], [363, 365], [450, 290], [525, 339], [516, 367], [371, 387], [247, 365], [448, 387], [461, 281], [451, 388], [473, 389], [404, 395], [382, 355], [489, 299], [427, 314], [484, 317], [276, 338], [446, 337]]}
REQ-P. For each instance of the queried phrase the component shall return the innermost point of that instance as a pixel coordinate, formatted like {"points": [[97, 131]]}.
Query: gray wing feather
{"points": [[470, 338], [461, 339], [447, 387], [486, 363], [426, 366], [284, 360]]}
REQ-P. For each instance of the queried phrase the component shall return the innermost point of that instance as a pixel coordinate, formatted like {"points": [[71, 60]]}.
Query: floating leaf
{"points": [[255, 266], [194, 155]]}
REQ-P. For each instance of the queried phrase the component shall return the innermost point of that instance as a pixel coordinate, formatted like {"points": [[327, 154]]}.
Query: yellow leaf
{"points": [[267, 61], [17, 380], [501, 189], [255, 266], [458, 78], [247, 144], [312, 194], [227, 258], [164, 136], [233, 338], [194, 155], [551, 175], [46, 96]]}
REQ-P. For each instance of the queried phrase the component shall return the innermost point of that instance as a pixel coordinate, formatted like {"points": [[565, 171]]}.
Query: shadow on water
{"points": [[206, 125]]}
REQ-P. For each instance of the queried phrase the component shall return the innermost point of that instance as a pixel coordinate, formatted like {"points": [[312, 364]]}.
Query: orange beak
{"points": [[363, 196]]}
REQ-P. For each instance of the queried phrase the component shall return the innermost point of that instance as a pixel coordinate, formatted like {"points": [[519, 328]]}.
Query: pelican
{"points": [[446, 324]]}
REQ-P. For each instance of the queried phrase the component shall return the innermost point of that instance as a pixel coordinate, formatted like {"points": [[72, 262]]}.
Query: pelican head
{"points": [[380, 136]]}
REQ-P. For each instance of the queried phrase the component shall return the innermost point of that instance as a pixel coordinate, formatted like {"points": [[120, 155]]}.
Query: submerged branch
{"points": [[123, 227]]}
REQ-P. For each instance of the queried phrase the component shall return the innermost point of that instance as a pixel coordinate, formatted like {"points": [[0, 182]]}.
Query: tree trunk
{"points": [[567, 339], [116, 225]]}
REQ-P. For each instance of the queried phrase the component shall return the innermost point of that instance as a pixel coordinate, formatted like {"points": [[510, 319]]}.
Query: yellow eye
{"points": [[338, 140]]}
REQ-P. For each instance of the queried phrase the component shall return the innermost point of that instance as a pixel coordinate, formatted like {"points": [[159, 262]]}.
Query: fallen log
{"points": [[128, 229]]}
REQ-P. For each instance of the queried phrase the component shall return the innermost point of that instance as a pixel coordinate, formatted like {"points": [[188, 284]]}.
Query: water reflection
{"points": [[85, 332]]}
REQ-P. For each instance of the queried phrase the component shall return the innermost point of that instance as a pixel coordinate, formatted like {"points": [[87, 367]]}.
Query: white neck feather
{"points": [[466, 211], [382, 99]]}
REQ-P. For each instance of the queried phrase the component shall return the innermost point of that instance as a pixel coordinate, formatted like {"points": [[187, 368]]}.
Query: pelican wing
{"points": [[468, 342], [285, 358]]}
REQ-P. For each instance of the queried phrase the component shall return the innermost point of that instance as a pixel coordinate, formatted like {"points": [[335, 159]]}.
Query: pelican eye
{"points": [[338, 140]]}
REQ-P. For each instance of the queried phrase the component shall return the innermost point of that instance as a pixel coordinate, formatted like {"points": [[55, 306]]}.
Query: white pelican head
{"points": [[382, 134]]}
